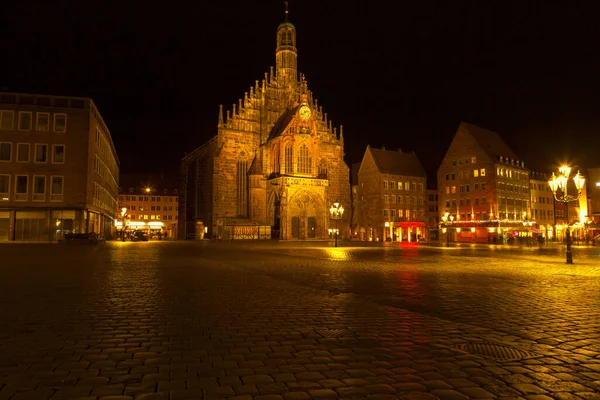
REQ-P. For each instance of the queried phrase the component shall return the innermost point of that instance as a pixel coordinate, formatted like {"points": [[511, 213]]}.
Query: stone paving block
{"points": [[43, 394], [269, 397], [445, 394], [323, 394], [296, 396], [188, 394], [352, 391], [476, 393]]}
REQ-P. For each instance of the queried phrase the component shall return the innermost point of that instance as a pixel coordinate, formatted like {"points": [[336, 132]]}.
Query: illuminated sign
{"points": [[597, 184]]}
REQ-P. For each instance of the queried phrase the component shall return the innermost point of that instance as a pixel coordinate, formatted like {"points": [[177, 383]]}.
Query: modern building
{"points": [[391, 196], [542, 205], [432, 213], [59, 169], [151, 204], [483, 188], [275, 166]]}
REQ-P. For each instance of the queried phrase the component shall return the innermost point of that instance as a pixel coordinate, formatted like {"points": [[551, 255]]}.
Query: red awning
{"points": [[413, 224]]}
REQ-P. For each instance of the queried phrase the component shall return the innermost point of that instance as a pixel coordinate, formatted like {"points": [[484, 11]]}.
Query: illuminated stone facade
{"points": [[276, 160]]}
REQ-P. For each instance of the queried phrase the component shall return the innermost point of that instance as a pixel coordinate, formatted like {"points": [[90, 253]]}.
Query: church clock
{"points": [[304, 113]]}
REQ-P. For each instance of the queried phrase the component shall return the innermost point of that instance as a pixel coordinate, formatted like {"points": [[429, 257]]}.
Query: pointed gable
{"points": [[283, 122], [397, 162], [488, 141], [256, 167]]}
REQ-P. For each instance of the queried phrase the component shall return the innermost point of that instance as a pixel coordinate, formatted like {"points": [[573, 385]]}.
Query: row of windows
{"points": [[466, 174], [132, 190], [407, 199], [104, 172], [153, 217], [542, 200], [167, 199], [392, 213], [509, 173], [465, 188], [23, 153], [464, 161], [466, 202], [104, 146], [103, 199], [36, 185], [540, 186], [393, 185], [25, 121], [510, 202], [512, 188], [541, 214]]}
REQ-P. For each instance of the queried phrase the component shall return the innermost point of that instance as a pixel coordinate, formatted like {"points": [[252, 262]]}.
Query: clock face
{"points": [[304, 113]]}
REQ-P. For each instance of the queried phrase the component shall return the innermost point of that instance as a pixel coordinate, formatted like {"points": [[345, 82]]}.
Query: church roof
{"points": [[397, 162], [282, 123], [286, 23], [256, 167], [488, 141]]}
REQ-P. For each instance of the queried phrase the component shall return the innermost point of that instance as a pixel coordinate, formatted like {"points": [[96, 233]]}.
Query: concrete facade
{"points": [[276, 161], [59, 169]]}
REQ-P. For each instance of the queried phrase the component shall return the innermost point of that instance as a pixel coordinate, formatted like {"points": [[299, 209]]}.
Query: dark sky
{"points": [[403, 77]]}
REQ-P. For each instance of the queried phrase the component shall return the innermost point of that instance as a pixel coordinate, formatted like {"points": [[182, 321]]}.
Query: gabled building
{"points": [[542, 204], [483, 188], [391, 196], [276, 162], [432, 212]]}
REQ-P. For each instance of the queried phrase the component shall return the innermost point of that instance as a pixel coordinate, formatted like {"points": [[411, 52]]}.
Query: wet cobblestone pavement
{"points": [[284, 321]]}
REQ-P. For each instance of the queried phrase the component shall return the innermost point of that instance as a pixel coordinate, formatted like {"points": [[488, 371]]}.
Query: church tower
{"points": [[286, 54]]}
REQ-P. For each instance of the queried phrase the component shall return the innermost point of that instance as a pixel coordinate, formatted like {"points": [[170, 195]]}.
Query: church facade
{"points": [[276, 161]]}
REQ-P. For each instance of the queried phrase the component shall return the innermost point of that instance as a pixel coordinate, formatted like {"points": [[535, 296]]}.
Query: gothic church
{"points": [[276, 161]]}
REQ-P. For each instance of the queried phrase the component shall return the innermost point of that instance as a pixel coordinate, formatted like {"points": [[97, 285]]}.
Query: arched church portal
{"points": [[305, 216]]}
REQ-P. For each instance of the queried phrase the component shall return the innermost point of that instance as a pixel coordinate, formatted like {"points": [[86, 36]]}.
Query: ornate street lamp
{"points": [[558, 185], [445, 219], [336, 211]]}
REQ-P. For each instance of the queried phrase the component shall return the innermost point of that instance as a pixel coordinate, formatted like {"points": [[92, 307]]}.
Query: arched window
{"points": [[322, 170], [275, 160], [304, 160], [289, 159]]}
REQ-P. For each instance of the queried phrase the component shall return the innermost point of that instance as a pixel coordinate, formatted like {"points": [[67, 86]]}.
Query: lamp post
{"points": [[558, 185], [445, 219], [336, 211], [123, 214]]}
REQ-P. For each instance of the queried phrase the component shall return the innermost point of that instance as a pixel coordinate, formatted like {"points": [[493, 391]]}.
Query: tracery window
{"points": [[322, 170], [304, 160], [242, 187], [289, 159], [275, 163]]}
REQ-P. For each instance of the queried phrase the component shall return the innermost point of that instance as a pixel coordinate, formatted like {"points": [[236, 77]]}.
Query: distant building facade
{"points": [[432, 213], [391, 196], [151, 203], [59, 169], [276, 163], [593, 184], [542, 204], [483, 188]]}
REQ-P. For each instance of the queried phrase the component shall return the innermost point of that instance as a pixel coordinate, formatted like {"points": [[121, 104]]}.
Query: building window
{"points": [[386, 199], [56, 188], [399, 199], [4, 187], [393, 213], [242, 187], [482, 186], [58, 155], [5, 151], [39, 188], [322, 170], [21, 186], [399, 185], [482, 172], [393, 199], [23, 152], [453, 189], [475, 173], [7, 120], [407, 214], [385, 213], [483, 200], [476, 187], [467, 188], [393, 185], [385, 184], [60, 122], [24, 120], [473, 160], [414, 186], [304, 160], [447, 177], [41, 153], [420, 187], [289, 159], [275, 163], [461, 188], [43, 122], [447, 189], [476, 201]]}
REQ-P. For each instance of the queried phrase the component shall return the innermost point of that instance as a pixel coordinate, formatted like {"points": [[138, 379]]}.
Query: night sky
{"points": [[401, 77]]}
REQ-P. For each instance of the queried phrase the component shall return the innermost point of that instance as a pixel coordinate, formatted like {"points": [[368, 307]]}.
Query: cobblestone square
{"points": [[296, 321]]}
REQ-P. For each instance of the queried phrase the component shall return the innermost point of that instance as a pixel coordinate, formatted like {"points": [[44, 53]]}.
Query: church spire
{"points": [[286, 55]]}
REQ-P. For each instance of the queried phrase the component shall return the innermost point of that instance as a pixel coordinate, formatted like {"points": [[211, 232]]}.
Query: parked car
{"points": [[139, 236]]}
